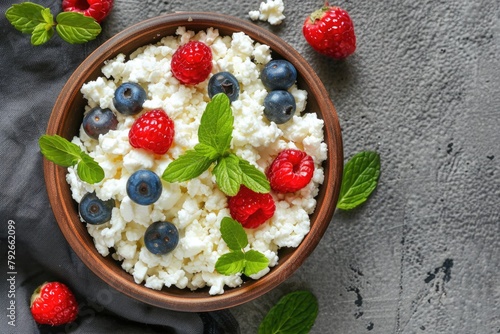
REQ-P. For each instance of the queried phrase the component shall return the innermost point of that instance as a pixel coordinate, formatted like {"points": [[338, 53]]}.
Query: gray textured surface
{"points": [[423, 89]]}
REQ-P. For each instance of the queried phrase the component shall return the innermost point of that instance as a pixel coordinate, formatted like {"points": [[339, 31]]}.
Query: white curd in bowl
{"points": [[197, 206]]}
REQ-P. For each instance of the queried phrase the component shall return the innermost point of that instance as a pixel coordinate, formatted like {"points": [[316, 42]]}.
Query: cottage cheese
{"points": [[270, 11], [197, 206]]}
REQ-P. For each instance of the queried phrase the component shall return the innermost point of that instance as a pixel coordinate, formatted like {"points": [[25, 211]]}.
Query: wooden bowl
{"points": [[67, 116]]}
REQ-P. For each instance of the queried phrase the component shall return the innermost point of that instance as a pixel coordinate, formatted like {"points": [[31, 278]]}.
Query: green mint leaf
{"points": [[233, 234], [253, 178], [59, 150], [250, 262], [64, 153], [76, 28], [228, 174], [43, 31], [88, 170], [25, 16], [48, 17], [255, 261], [231, 263], [295, 313], [207, 151], [40, 35], [216, 124], [189, 165], [359, 179]]}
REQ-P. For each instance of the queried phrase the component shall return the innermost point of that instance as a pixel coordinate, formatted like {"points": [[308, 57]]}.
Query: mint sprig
{"points": [[214, 135], [43, 31], [31, 18], [66, 154], [295, 313], [25, 16], [359, 179], [237, 260]]}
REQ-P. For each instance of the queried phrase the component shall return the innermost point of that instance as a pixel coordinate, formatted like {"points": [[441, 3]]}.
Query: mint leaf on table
{"points": [[237, 260], [43, 31], [72, 27], [214, 136], [359, 179], [76, 28], [216, 124], [64, 153], [295, 313], [25, 16]]}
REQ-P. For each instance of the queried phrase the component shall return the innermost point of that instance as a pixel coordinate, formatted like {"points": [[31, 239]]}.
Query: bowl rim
{"points": [[65, 215]]}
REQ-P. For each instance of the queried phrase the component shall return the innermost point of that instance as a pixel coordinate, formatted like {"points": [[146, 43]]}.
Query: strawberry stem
{"points": [[36, 294], [318, 14]]}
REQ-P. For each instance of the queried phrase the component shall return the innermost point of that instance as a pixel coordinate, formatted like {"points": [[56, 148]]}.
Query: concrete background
{"points": [[423, 90]]}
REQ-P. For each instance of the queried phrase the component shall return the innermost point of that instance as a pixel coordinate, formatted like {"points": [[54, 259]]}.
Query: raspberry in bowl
{"points": [[98, 245]]}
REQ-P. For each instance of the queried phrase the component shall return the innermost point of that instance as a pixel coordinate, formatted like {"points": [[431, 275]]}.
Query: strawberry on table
{"points": [[330, 31], [98, 9], [53, 304]]}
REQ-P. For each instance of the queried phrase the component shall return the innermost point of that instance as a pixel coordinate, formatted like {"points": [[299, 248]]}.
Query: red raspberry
{"points": [[53, 304], [330, 31], [192, 63], [153, 131], [251, 209], [98, 9], [290, 171]]}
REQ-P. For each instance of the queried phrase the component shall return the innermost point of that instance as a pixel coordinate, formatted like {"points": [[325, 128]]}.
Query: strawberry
{"points": [[330, 31], [251, 209], [98, 9], [192, 63], [153, 131], [290, 171], [53, 304]]}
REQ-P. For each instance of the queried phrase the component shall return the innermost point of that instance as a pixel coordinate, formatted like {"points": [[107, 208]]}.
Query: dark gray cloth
{"points": [[30, 80]]}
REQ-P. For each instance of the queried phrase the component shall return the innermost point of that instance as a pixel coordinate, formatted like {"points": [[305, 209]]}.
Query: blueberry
{"points": [[129, 98], [279, 106], [278, 75], [224, 82], [99, 121], [161, 237], [94, 210], [144, 187]]}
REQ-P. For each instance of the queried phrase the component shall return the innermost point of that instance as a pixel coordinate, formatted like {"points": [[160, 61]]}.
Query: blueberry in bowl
{"points": [[99, 121], [224, 82], [278, 74], [161, 237], [144, 187], [279, 106], [95, 211], [129, 98]]}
